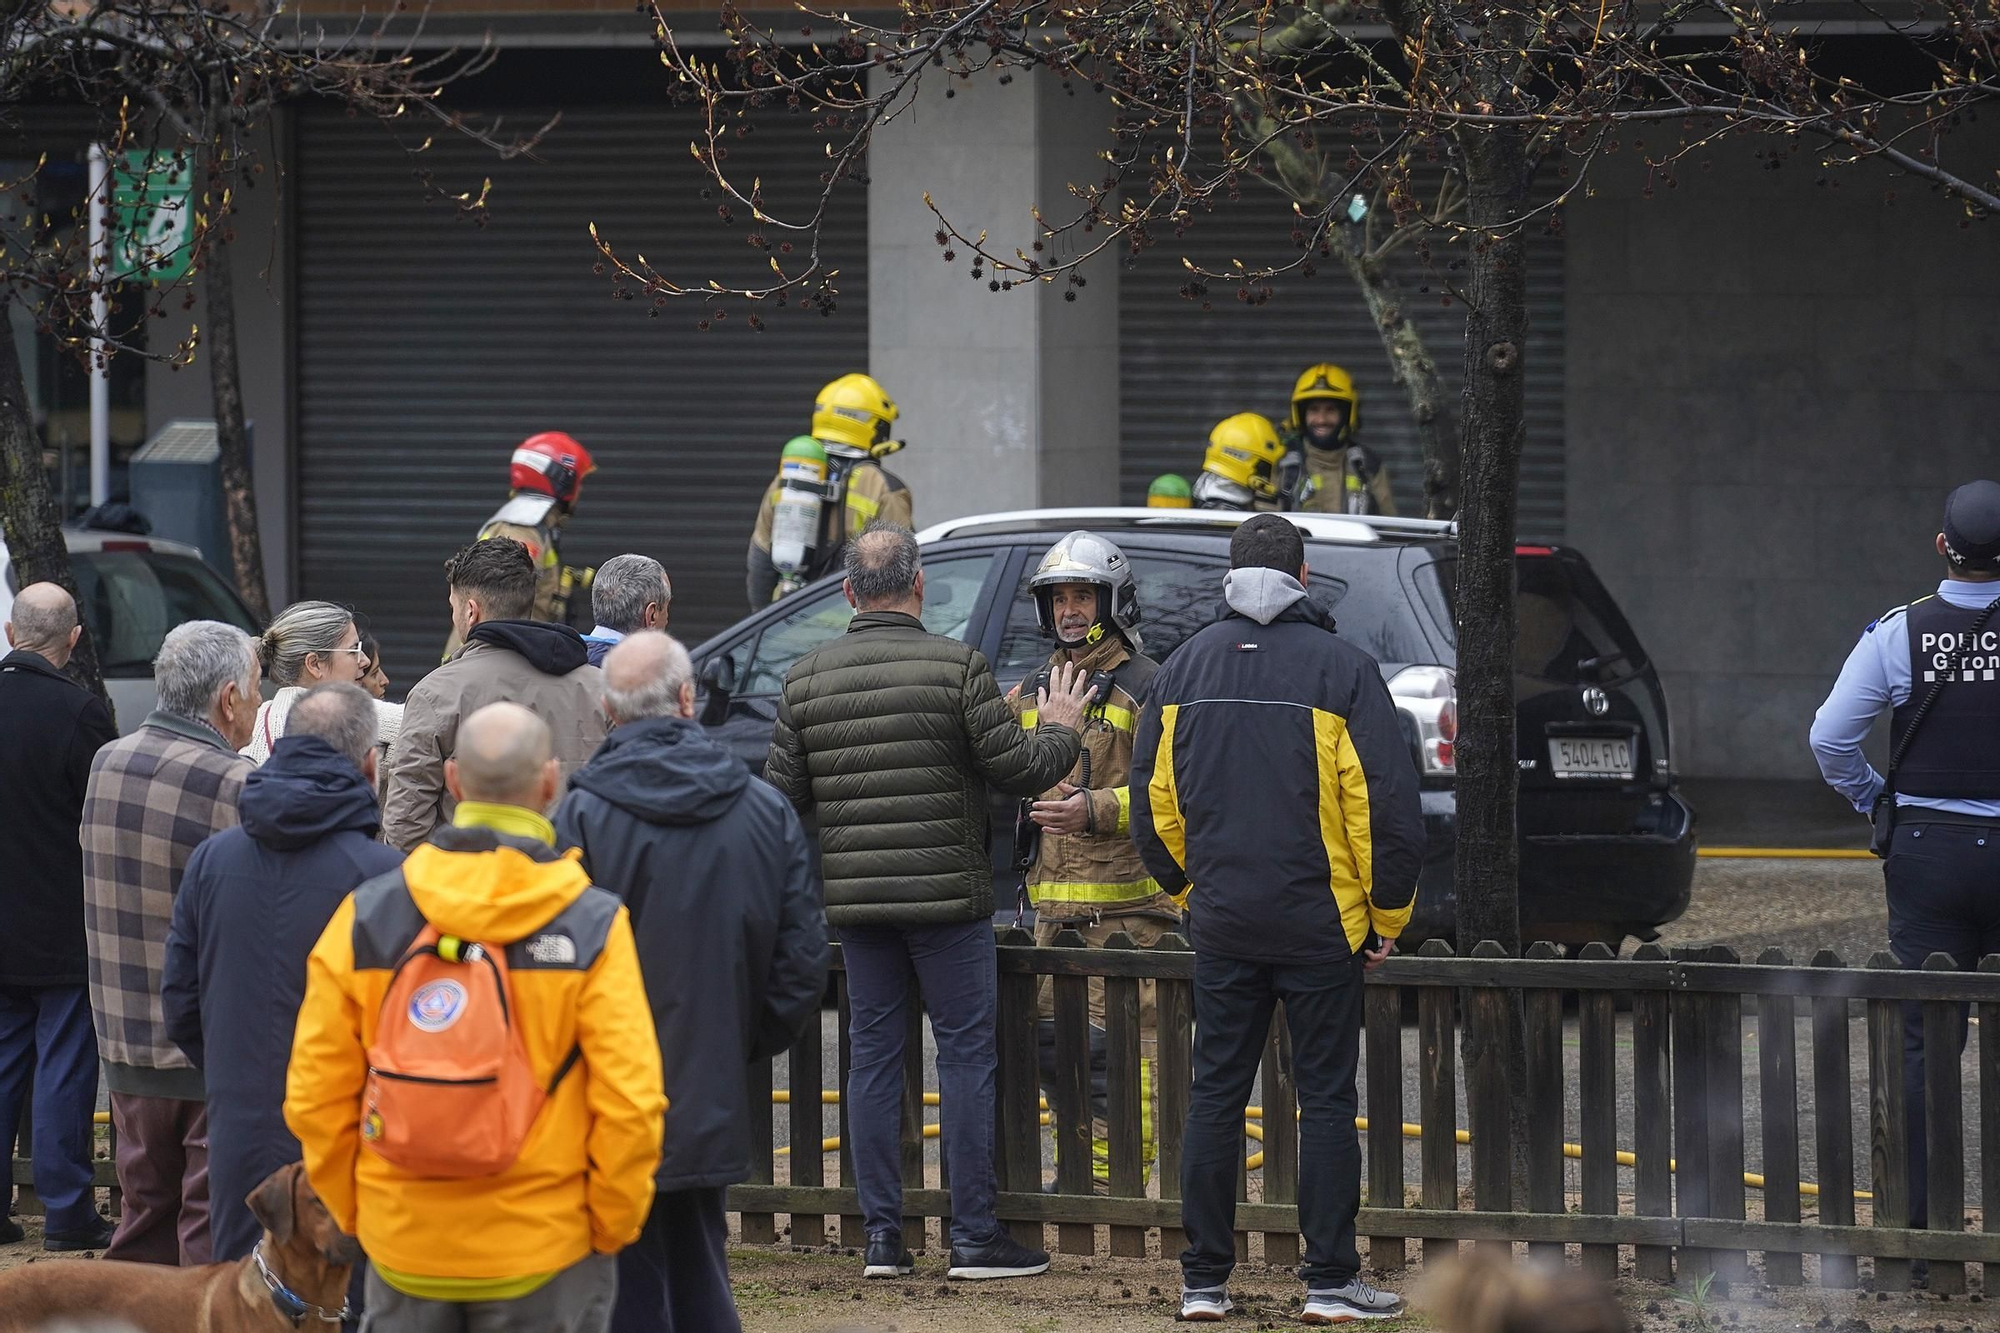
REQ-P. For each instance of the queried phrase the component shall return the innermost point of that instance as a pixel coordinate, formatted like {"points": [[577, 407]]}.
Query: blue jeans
{"points": [[1233, 1003], [956, 967], [46, 1032]]}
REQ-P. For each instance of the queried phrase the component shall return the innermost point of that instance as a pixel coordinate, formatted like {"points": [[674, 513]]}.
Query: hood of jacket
{"points": [[664, 770], [1260, 594], [305, 791], [553, 650], [492, 887]]}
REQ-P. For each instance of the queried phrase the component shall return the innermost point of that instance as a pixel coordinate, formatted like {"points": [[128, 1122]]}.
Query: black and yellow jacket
{"points": [[1272, 789]]}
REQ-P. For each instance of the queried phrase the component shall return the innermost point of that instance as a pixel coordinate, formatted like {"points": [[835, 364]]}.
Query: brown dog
{"points": [[304, 1254]]}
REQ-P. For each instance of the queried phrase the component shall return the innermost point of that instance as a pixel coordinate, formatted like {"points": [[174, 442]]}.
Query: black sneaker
{"points": [[10, 1231], [1003, 1256], [888, 1258], [94, 1237]]}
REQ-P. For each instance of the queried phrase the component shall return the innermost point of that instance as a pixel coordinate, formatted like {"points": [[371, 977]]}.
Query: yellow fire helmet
{"points": [[854, 411], [1326, 380], [1245, 449]]}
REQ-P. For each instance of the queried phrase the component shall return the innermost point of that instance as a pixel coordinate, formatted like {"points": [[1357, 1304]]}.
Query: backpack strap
{"points": [[562, 1070]]}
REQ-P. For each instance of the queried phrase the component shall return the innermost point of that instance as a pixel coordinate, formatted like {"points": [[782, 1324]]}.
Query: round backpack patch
{"points": [[437, 1005]]}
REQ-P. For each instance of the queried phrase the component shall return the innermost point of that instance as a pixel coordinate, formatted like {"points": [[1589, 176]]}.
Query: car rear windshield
{"points": [[1571, 632], [130, 599], [1360, 587]]}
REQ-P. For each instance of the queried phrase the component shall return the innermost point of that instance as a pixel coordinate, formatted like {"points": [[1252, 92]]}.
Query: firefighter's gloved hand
{"points": [[1070, 814], [1067, 695]]}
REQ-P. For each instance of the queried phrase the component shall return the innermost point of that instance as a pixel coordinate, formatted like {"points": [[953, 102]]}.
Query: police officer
{"points": [[1338, 474], [1943, 857], [545, 477], [1240, 469], [851, 421], [1080, 869]]}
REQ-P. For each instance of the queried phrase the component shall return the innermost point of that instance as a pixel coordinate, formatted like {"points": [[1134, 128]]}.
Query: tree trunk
{"points": [[1416, 371], [1495, 408], [246, 545], [28, 511]]}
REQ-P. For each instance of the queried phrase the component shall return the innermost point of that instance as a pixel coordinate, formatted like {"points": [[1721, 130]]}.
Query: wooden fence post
{"points": [[1989, 1118], [760, 1228], [1725, 1096], [808, 1128], [1543, 1010], [1597, 1097], [1653, 1095], [1487, 1020], [1017, 1133], [1778, 1090], [1692, 1130], [853, 1231], [1437, 1101], [1281, 1136], [1944, 1125], [1383, 1015], [1176, 1071], [1071, 1102], [1126, 1103], [1833, 1123], [1888, 1127]]}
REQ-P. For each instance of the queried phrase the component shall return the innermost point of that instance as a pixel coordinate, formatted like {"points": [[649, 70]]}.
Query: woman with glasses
{"points": [[308, 644]]}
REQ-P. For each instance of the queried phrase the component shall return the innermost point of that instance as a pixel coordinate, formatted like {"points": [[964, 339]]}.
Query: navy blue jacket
{"points": [[727, 914], [252, 905]]}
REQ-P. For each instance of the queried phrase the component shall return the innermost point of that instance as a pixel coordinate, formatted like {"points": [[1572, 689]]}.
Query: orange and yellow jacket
{"points": [[584, 1179]]}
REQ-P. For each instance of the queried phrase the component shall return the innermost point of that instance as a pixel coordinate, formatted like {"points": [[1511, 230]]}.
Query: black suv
{"points": [[1607, 845]]}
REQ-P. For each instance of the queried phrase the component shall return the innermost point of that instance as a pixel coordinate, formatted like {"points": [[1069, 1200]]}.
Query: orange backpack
{"points": [[450, 1093]]}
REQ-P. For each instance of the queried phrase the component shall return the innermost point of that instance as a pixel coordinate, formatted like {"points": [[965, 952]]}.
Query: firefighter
{"points": [[1339, 474], [1078, 865], [1240, 469], [851, 424], [545, 477]]}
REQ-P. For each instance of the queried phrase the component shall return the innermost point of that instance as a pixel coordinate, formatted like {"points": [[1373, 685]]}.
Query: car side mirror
{"points": [[718, 682]]}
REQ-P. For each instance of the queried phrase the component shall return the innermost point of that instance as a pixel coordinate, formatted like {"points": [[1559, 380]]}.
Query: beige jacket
{"points": [[541, 667]]}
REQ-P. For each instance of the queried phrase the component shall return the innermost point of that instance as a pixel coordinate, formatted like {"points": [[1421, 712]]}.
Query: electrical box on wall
{"points": [[177, 484]]}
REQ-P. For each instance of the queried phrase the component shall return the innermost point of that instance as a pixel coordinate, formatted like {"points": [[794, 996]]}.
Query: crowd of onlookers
{"points": [[493, 965]]}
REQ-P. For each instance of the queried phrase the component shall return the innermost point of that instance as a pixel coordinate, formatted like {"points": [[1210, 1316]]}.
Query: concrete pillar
{"points": [[264, 335], [1009, 399]]}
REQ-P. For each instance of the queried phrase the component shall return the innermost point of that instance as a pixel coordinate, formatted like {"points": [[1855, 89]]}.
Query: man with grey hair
{"points": [[153, 797], [252, 904], [50, 728], [895, 735], [628, 594], [725, 907]]}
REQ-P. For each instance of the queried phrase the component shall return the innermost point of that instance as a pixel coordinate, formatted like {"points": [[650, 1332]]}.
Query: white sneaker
{"points": [[1205, 1306], [1356, 1300]]}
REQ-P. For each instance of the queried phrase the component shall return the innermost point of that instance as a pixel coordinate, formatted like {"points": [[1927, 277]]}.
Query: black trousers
{"points": [[1944, 897], [675, 1277], [1233, 1004]]}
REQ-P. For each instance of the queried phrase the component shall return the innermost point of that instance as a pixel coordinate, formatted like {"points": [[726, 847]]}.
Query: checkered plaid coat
{"points": [[154, 796]]}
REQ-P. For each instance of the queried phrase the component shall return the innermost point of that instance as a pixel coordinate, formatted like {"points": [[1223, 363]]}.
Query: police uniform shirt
{"points": [[1875, 680]]}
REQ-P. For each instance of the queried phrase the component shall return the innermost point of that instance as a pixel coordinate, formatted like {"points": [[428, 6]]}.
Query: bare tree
{"points": [[186, 84]]}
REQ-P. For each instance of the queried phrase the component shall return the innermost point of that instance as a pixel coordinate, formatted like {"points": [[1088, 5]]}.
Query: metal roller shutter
{"points": [[429, 346], [1184, 368]]}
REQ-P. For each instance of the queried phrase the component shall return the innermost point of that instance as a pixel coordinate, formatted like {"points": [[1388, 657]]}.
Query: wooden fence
{"points": [[1683, 1209], [1675, 1197]]}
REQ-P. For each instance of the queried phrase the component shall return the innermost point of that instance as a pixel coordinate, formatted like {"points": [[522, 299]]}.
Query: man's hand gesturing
{"points": [[1067, 695]]}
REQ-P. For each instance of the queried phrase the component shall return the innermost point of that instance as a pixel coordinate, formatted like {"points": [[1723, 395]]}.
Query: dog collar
{"points": [[289, 1303]]}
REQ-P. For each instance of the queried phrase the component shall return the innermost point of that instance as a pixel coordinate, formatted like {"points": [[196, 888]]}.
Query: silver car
{"points": [[132, 590]]}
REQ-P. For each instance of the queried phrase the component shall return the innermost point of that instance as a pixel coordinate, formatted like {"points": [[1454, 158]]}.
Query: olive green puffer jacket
{"points": [[892, 735]]}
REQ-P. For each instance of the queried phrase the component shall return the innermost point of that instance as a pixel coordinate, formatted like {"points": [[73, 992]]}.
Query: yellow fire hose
{"points": [[1251, 1127]]}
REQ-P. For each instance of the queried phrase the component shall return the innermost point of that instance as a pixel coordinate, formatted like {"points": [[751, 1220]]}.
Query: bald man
{"points": [[580, 1189], [726, 910], [50, 728]]}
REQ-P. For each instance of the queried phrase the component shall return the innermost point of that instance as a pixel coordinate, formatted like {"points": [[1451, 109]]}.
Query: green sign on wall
{"points": [[152, 215]]}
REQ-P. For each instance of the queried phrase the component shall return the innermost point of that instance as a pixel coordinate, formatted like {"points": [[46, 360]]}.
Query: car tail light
{"points": [[141, 547], [1428, 695]]}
